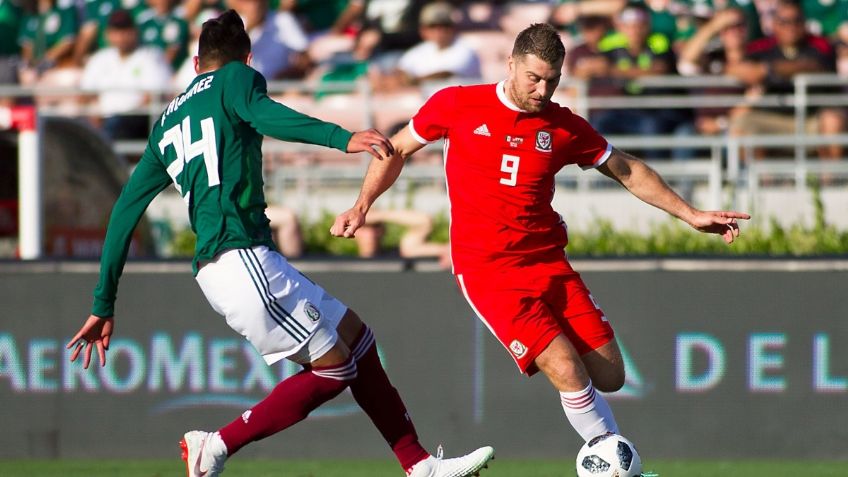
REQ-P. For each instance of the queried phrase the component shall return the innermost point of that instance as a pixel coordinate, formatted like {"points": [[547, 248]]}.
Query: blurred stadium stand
{"points": [[720, 171]]}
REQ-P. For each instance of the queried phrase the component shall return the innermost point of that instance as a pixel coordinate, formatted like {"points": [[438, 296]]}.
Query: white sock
{"points": [[216, 445], [588, 412]]}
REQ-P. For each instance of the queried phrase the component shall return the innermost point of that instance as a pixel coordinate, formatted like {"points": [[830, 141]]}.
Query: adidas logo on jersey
{"points": [[482, 130]]}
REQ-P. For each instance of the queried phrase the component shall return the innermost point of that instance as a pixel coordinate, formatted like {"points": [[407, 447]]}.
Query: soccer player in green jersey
{"points": [[208, 143]]}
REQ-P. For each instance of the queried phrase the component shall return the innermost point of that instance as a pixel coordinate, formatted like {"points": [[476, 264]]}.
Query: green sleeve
{"points": [[148, 179], [68, 27], [26, 33], [270, 118]]}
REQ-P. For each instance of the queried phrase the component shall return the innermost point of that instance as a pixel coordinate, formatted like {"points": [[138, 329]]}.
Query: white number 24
{"points": [[179, 136], [509, 164]]}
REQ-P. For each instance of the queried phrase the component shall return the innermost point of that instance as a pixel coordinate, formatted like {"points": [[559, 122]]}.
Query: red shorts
{"points": [[527, 308]]}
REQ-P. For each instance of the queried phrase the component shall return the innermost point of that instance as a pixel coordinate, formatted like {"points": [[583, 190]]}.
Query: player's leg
{"points": [[287, 404], [375, 394], [588, 344], [605, 367], [587, 411], [292, 399], [516, 309], [586, 326], [282, 314]]}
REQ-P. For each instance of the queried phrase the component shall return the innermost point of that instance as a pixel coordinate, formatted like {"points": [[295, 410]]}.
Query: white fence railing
{"points": [[717, 164]]}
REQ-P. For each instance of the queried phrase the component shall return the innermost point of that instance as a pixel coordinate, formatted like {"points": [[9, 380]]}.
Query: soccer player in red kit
{"points": [[504, 143]]}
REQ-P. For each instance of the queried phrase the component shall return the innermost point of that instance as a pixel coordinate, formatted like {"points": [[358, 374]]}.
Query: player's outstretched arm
{"points": [[381, 174], [647, 185], [95, 331], [147, 180]]}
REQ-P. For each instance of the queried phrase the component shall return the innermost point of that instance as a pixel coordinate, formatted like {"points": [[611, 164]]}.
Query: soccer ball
{"points": [[608, 455]]}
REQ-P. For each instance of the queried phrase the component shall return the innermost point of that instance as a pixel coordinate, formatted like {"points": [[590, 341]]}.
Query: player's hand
{"points": [[371, 141], [722, 223], [347, 223], [95, 331]]}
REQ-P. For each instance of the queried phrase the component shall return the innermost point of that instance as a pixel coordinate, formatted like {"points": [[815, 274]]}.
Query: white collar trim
{"points": [[501, 90]]}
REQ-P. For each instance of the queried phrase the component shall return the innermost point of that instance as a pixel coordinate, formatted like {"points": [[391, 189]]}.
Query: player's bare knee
{"points": [[567, 375], [611, 381]]}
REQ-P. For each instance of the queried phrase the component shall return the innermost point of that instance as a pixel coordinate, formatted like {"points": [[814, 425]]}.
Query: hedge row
{"points": [[670, 238]]}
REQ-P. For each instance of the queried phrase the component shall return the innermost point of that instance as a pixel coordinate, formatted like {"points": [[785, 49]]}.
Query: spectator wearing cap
{"points": [[46, 39], [125, 77], [159, 27], [635, 52], [442, 55], [92, 32]]}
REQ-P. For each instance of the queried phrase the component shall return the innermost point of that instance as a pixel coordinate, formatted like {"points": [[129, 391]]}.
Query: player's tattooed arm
{"points": [[644, 182]]}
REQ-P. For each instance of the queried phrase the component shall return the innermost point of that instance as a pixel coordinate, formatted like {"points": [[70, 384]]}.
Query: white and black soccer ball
{"points": [[608, 455]]}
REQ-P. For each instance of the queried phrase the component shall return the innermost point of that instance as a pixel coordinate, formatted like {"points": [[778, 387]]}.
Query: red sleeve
{"points": [[432, 121], [587, 148]]}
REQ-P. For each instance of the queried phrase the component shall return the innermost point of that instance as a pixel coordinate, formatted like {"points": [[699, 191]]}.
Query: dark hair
{"points": [[541, 40], [223, 40], [794, 4]]}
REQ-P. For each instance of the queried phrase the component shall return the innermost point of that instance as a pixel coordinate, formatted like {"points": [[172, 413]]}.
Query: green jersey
{"points": [[163, 32], [10, 21], [208, 144], [45, 30], [97, 12]]}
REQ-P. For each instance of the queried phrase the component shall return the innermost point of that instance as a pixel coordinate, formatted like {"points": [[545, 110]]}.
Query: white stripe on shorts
{"points": [[277, 312]]}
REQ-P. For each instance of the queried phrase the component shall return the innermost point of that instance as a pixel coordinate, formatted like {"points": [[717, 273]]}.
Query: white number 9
{"points": [[509, 164]]}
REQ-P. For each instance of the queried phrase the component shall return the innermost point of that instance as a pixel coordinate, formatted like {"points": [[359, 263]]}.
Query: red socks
{"points": [[290, 402], [380, 400], [294, 398]]}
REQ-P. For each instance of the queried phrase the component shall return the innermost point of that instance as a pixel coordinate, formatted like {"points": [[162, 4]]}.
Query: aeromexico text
{"points": [[193, 363]]}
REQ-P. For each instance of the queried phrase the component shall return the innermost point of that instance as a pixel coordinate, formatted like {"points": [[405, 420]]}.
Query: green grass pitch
{"points": [[371, 468]]}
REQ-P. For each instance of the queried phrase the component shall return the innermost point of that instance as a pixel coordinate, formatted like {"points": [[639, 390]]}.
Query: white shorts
{"points": [[282, 313]]}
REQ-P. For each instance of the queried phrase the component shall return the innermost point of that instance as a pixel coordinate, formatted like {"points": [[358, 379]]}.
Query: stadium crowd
{"points": [[122, 48]]}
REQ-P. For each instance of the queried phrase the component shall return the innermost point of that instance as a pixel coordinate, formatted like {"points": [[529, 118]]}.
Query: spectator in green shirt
{"points": [[324, 16], [160, 27], [46, 39], [92, 34], [828, 18], [10, 22]]}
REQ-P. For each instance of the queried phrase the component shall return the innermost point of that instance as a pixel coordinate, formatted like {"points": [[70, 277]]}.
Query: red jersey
{"points": [[500, 164]]}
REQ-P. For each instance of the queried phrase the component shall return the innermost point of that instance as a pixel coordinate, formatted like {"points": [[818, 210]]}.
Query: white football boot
{"points": [[464, 466], [204, 453]]}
